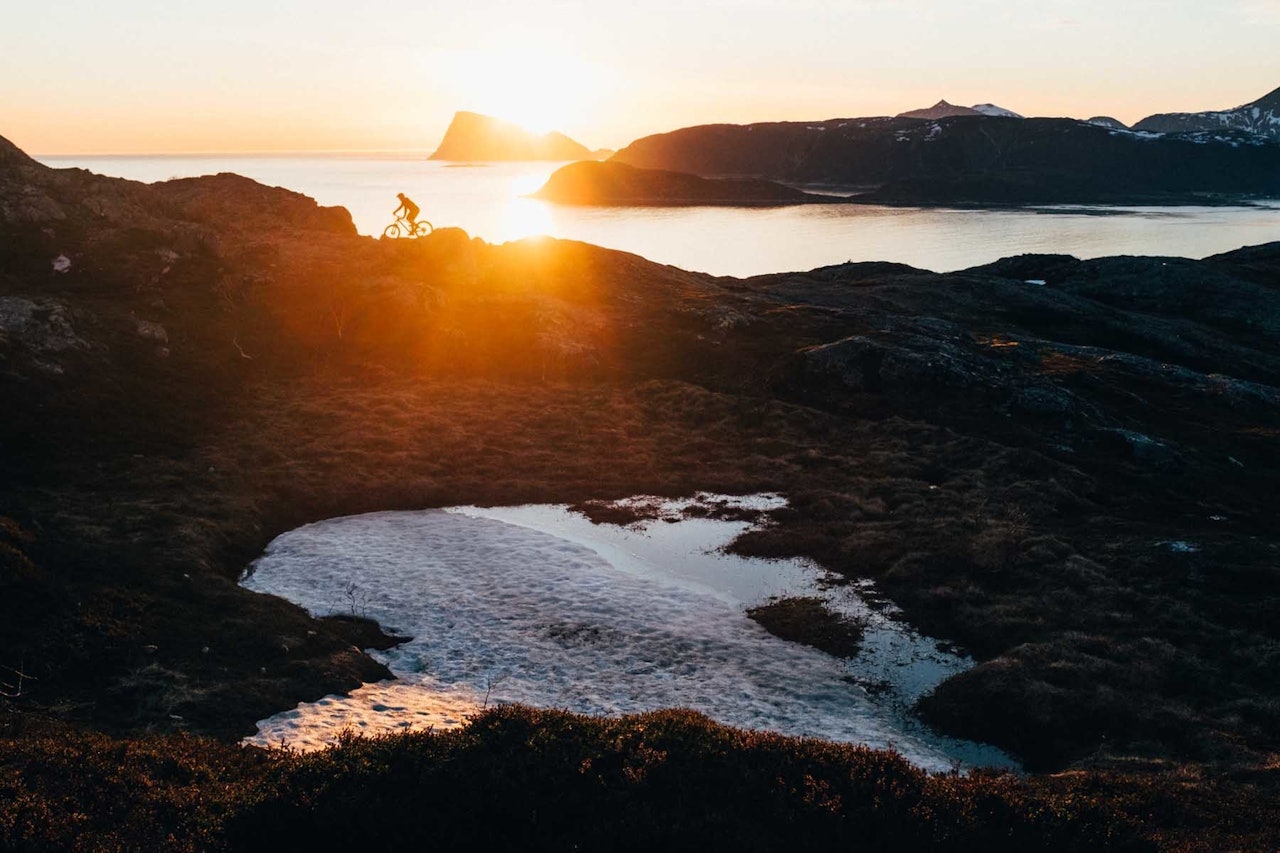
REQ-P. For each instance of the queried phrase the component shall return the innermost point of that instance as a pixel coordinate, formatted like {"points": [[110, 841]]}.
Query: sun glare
{"points": [[539, 91]]}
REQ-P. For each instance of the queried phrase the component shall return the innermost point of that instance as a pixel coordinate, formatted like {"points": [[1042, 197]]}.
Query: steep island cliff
{"points": [[473, 137]]}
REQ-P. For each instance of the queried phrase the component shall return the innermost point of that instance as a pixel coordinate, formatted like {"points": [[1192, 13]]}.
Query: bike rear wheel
{"points": [[423, 228], [393, 231]]}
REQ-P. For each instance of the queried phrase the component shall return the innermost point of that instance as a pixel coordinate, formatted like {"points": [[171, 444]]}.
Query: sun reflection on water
{"points": [[525, 217]]}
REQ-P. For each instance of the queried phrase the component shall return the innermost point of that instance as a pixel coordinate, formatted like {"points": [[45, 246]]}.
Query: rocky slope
{"points": [[979, 159], [1260, 117], [473, 137], [616, 184], [1066, 467]]}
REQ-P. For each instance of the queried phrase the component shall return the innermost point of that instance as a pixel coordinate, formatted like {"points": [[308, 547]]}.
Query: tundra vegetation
{"points": [[1074, 481]]}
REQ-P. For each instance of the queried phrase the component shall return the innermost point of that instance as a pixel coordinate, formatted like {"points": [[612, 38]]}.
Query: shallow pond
{"points": [[536, 604]]}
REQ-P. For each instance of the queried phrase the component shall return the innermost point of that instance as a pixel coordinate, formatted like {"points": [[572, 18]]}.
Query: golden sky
{"points": [[136, 76]]}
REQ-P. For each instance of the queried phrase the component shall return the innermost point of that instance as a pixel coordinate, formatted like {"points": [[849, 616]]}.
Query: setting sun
{"points": [[539, 90]]}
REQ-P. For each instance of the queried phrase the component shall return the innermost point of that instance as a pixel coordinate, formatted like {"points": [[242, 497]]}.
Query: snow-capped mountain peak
{"points": [[1260, 117], [993, 110]]}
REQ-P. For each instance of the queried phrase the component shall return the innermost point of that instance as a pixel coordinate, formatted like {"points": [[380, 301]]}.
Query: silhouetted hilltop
{"points": [[939, 110], [1261, 117], [476, 137], [1108, 122], [616, 184], [942, 109], [973, 158]]}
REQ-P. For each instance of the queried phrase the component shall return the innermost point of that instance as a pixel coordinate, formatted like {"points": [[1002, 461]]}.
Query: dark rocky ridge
{"points": [[473, 137], [610, 184], [974, 159], [1075, 480], [1260, 117]]}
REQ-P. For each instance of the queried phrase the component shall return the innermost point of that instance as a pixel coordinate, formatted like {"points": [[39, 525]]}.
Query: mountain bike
{"points": [[402, 228]]}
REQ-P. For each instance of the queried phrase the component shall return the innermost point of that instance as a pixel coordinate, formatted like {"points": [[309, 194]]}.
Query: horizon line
{"points": [[270, 152]]}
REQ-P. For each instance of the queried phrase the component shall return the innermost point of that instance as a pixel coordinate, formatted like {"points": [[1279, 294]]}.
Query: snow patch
{"points": [[538, 605], [993, 110]]}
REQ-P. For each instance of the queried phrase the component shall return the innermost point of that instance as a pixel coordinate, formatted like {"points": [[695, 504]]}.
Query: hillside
{"points": [[1065, 467], [473, 137], [976, 159], [1260, 117]]}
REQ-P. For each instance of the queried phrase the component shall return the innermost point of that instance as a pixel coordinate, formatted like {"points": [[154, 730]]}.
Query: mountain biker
{"points": [[410, 210]]}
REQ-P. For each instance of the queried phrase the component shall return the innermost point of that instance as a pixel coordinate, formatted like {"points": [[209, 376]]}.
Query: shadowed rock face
{"points": [[1066, 466], [977, 159], [473, 137]]}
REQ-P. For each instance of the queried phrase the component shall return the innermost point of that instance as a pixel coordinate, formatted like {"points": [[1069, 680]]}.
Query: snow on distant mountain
{"points": [[1260, 117], [993, 110], [942, 109], [1108, 122]]}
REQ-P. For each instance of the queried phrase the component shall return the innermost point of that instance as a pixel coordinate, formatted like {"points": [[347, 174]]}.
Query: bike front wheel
{"points": [[423, 228], [392, 232]]}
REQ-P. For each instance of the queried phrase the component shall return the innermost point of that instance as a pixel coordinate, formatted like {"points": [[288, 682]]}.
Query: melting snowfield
{"points": [[538, 605]]}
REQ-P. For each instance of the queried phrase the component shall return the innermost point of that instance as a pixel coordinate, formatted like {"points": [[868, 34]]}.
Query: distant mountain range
{"points": [[1261, 117], [473, 137]]}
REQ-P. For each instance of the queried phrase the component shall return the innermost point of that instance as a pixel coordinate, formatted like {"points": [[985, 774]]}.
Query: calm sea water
{"points": [[486, 200]]}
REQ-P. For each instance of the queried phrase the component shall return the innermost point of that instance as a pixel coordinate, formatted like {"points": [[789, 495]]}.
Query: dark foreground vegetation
{"points": [[1075, 481], [517, 778]]}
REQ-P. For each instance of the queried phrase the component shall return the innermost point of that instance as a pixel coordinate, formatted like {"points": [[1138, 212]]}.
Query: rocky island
{"points": [[473, 137], [616, 184], [959, 155], [1065, 467]]}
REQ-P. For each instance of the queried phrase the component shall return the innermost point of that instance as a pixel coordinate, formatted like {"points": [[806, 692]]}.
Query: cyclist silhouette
{"points": [[410, 210]]}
